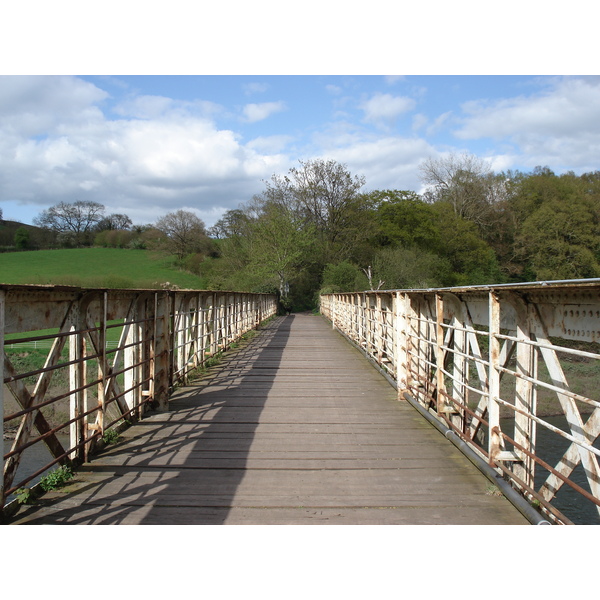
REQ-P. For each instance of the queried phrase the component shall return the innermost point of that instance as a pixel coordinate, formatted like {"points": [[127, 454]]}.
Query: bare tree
{"points": [[76, 221], [183, 233], [114, 222], [467, 183]]}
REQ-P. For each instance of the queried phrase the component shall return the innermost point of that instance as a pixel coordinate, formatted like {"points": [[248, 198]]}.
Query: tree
{"points": [[183, 233], [74, 222], [404, 219], [232, 223], [114, 222], [326, 195], [409, 268], [561, 239], [22, 238], [408, 223], [343, 277], [279, 244], [467, 183]]}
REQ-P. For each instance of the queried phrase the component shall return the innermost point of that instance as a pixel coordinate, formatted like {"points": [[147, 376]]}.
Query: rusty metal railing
{"points": [[79, 362], [513, 370]]}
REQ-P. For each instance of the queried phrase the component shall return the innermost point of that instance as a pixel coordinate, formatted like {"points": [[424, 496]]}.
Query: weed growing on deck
{"points": [[25, 496], [111, 436], [56, 479]]}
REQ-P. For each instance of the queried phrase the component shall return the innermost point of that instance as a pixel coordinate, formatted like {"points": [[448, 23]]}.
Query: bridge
{"points": [[469, 405]]}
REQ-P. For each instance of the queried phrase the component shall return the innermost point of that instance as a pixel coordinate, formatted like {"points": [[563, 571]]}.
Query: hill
{"points": [[37, 237], [94, 267]]}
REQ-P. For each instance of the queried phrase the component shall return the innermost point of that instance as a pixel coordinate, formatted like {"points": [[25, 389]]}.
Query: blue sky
{"points": [[148, 145]]}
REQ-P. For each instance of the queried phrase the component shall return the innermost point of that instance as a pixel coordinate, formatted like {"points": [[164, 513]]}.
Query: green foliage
{"points": [[22, 238], [57, 478], [115, 238], [445, 248], [409, 268], [343, 277], [404, 219], [25, 496], [558, 232], [111, 436], [472, 260]]}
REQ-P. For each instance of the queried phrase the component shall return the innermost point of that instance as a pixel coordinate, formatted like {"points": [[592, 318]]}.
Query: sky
{"points": [[200, 116], [148, 145]]}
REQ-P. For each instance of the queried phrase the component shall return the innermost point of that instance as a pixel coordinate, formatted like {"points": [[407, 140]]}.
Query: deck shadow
{"points": [[183, 466]]}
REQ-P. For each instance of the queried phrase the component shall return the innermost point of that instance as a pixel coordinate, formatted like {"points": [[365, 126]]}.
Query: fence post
{"points": [[494, 438], [440, 354], [78, 428], [162, 380], [525, 392], [400, 318]]}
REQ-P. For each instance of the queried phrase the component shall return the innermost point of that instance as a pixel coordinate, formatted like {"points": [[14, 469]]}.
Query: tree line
{"points": [[316, 229]]}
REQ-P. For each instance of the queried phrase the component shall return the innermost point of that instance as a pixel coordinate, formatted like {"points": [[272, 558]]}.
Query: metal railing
{"points": [[513, 370], [77, 362]]}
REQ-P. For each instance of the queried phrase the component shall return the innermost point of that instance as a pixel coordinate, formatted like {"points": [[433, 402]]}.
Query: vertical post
{"points": [[525, 394], [333, 304], [439, 353], [460, 392], [102, 364], [203, 328], [400, 350], [196, 337], [77, 429], [378, 328], [161, 350], [494, 437], [130, 358]]}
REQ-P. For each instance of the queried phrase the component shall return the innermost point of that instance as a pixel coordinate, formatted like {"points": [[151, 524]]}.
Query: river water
{"points": [[34, 458], [568, 501]]}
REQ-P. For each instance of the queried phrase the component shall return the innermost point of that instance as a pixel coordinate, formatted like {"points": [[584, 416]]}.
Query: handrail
{"points": [[491, 363], [104, 358]]}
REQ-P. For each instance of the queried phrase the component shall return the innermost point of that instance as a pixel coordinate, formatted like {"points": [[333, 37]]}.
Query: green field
{"points": [[94, 268]]}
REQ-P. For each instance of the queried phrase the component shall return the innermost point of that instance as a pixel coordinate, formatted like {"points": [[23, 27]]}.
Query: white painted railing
{"points": [[111, 354], [513, 370]]}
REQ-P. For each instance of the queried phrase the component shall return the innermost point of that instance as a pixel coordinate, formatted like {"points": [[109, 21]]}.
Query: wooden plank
{"points": [[314, 436]]}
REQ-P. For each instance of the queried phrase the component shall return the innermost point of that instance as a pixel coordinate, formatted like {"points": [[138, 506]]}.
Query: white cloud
{"points": [[56, 145], [421, 122], [154, 107], [384, 109], [559, 126], [259, 112], [31, 106], [386, 163], [573, 105], [255, 88], [144, 107]]}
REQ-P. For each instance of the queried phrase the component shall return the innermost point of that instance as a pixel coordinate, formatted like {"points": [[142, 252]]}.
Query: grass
{"points": [[94, 268]]}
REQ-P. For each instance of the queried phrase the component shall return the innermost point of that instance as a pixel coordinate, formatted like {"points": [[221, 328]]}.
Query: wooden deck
{"points": [[296, 427]]}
